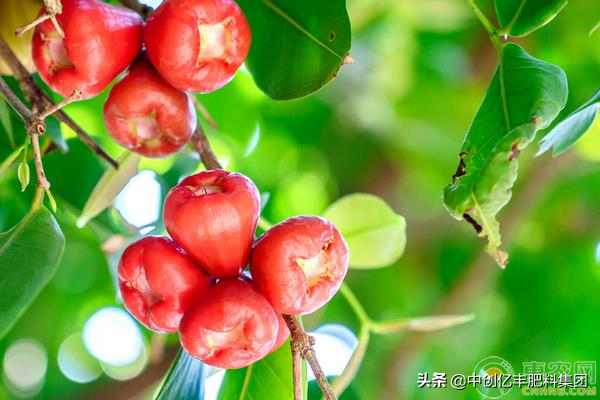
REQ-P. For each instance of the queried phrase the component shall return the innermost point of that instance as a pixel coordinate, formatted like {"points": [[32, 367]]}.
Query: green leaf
{"points": [[566, 133], [423, 324], [23, 174], [51, 200], [10, 160], [29, 253], [109, 186], [521, 17], [375, 234], [269, 378], [6, 122], [524, 96], [185, 379], [54, 132], [297, 46]]}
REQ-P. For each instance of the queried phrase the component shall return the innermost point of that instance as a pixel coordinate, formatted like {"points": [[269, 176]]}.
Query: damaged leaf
{"points": [[525, 95]]}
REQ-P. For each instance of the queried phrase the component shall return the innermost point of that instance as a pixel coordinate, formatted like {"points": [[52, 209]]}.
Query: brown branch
{"points": [[136, 6], [40, 99], [477, 276], [53, 7], [202, 146], [302, 344], [204, 112], [296, 372]]}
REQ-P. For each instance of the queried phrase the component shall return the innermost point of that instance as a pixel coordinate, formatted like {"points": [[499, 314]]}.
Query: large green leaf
{"points": [[524, 96], [269, 378], [521, 17], [29, 253], [185, 379], [297, 46], [564, 135], [375, 234]]}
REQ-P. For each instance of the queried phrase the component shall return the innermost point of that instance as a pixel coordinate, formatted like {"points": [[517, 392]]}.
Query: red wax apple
{"points": [[230, 326], [100, 41], [213, 216], [299, 264], [197, 45], [158, 282], [145, 114]]}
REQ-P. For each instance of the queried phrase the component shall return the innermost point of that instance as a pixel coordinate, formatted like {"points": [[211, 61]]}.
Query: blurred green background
{"points": [[390, 124]]}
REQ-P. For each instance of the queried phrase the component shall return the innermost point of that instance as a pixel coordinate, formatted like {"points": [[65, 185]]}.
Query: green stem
{"points": [[342, 382], [354, 303], [487, 24], [38, 198]]}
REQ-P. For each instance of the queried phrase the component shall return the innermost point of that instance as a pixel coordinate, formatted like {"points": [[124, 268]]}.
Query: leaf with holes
{"points": [[565, 134], [29, 254], [525, 95], [375, 234], [109, 186], [297, 46], [185, 379], [521, 17], [269, 378]]}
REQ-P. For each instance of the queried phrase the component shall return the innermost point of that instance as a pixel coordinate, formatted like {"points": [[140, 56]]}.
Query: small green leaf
{"points": [[521, 17], [23, 174], [10, 160], [375, 234], [269, 378], [423, 324], [51, 200], [54, 132], [185, 379], [566, 133], [6, 122], [524, 96], [29, 253], [297, 46], [109, 186]]}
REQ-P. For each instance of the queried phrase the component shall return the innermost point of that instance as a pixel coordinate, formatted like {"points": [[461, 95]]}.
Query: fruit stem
{"points": [[202, 146], [302, 344]]}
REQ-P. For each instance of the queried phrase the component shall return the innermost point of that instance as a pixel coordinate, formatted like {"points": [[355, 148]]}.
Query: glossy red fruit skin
{"points": [[158, 282], [100, 41], [212, 215], [174, 41], [231, 326], [280, 269], [145, 114]]}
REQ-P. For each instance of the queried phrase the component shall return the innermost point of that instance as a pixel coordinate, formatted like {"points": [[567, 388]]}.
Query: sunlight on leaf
{"points": [[375, 234], [109, 186]]}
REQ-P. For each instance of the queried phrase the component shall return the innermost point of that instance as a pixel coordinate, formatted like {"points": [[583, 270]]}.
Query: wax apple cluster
{"points": [[190, 46], [196, 283]]}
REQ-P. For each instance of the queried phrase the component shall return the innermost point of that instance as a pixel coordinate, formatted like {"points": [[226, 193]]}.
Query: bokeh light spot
{"points": [[75, 362], [113, 337], [24, 365]]}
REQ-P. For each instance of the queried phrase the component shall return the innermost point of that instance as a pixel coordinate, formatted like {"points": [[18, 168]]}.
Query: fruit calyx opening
{"points": [[317, 268], [235, 337], [215, 40], [56, 53], [140, 283], [201, 190]]}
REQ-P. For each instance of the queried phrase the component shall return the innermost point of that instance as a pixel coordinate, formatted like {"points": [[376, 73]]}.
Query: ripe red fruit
{"points": [[230, 326], [299, 264], [197, 45], [145, 114], [158, 282], [213, 216], [100, 41]]}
